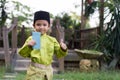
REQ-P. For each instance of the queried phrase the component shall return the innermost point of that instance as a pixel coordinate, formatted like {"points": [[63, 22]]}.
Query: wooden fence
{"points": [[87, 36], [81, 39]]}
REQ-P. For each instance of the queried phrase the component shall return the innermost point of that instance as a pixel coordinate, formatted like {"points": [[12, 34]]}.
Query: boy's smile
{"points": [[41, 26]]}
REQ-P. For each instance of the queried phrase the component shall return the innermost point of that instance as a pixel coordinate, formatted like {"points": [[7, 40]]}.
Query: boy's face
{"points": [[41, 26]]}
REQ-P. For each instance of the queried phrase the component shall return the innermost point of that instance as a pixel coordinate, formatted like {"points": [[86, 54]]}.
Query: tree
{"points": [[110, 44], [3, 15], [109, 41], [65, 20], [22, 12], [75, 20]]}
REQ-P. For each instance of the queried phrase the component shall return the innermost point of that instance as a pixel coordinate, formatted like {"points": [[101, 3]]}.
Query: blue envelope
{"points": [[36, 36]]}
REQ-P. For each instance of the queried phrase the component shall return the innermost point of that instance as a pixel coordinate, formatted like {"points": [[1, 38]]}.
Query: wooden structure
{"points": [[60, 37], [9, 52], [87, 36], [82, 39]]}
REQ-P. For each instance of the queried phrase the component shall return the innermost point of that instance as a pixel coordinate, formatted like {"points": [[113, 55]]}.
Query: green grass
{"points": [[76, 75], [21, 76], [2, 71], [109, 75]]}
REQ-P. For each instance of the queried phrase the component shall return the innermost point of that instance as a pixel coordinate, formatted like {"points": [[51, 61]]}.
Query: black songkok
{"points": [[42, 15]]}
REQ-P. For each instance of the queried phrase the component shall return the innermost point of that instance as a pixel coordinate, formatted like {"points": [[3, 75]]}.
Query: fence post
{"points": [[60, 36], [6, 49], [14, 36]]}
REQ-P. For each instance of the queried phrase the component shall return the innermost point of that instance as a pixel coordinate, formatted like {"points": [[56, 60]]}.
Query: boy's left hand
{"points": [[63, 46]]}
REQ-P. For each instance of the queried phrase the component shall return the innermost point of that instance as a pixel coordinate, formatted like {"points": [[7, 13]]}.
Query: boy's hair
{"points": [[42, 15]]}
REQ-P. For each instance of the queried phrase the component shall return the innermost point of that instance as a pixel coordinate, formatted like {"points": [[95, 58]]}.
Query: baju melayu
{"points": [[41, 59]]}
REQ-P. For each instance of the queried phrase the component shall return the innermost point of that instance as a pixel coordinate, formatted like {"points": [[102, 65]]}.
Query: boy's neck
{"points": [[43, 34]]}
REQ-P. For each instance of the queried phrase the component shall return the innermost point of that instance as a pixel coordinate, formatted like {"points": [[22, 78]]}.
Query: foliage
{"points": [[95, 5], [90, 8], [109, 41], [22, 12], [69, 23], [3, 15], [66, 21]]}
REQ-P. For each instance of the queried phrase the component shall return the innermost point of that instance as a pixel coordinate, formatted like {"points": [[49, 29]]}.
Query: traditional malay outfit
{"points": [[41, 59]]}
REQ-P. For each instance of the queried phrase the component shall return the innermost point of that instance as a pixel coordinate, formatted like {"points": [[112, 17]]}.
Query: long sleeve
{"points": [[25, 50], [58, 51]]}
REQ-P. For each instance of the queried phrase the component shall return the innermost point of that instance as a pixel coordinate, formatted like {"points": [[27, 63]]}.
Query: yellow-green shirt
{"points": [[44, 55]]}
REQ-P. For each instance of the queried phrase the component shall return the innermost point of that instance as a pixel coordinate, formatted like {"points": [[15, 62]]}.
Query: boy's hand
{"points": [[31, 43], [63, 46]]}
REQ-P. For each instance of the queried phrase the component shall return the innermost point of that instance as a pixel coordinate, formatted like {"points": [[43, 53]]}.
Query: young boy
{"points": [[41, 59]]}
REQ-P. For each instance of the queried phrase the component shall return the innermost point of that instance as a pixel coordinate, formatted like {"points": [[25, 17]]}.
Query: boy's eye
{"points": [[38, 24], [44, 24], [41, 24]]}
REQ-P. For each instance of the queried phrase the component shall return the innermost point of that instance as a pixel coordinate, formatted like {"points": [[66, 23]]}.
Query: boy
{"points": [[41, 59]]}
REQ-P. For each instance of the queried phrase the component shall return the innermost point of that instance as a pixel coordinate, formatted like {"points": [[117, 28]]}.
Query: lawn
{"points": [[109, 75], [76, 75]]}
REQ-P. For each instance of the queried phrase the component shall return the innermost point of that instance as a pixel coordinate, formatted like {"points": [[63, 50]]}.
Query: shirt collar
{"points": [[44, 34]]}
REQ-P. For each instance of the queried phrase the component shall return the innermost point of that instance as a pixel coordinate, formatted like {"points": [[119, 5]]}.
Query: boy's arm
{"points": [[59, 51], [25, 50]]}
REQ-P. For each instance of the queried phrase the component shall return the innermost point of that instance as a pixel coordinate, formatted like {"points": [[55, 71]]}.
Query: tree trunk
{"points": [[101, 20], [1, 43], [103, 63], [113, 63]]}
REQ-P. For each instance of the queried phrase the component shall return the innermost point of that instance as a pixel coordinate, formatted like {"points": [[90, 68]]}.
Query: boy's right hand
{"points": [[31, 43]]}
